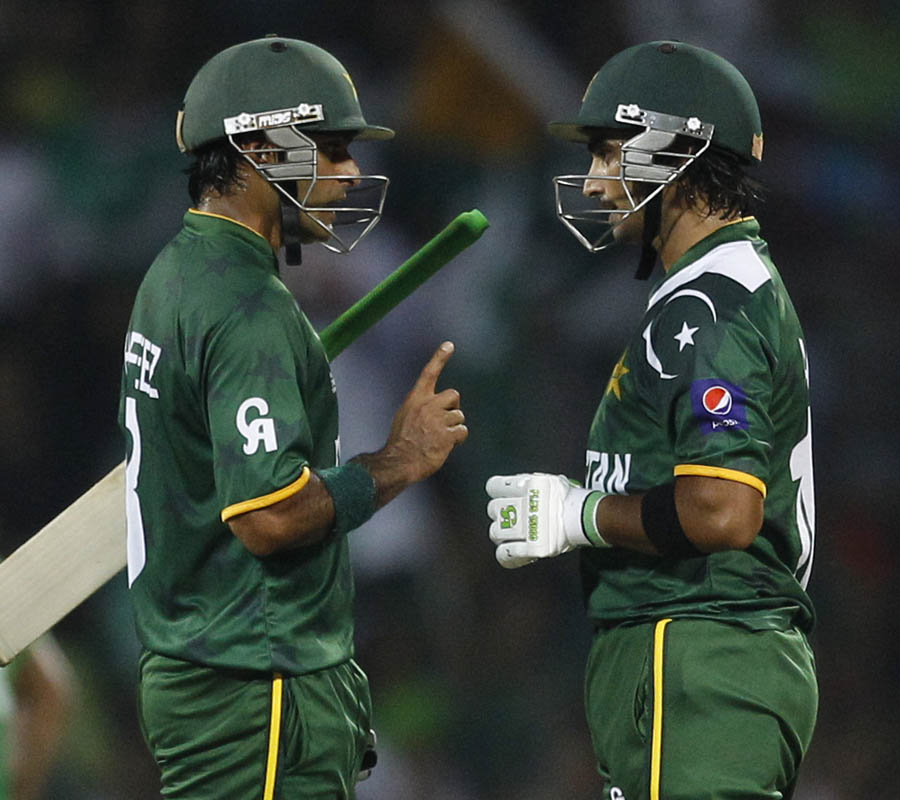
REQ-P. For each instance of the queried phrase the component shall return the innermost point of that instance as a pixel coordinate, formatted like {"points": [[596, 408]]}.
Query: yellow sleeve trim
{"points": [[266, 499], [722, 472]]}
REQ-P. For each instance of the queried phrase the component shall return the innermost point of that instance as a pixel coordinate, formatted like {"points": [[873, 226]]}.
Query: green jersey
{"points": [[714, 382], [227, 401]]}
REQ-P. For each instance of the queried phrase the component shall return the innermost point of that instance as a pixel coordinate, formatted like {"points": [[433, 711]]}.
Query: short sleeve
{"points": [[712, 369], [258, 420]]}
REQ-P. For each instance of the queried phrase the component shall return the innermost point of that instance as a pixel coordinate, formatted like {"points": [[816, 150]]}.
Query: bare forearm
{"points": [[389, 470], [303, 519], [714, 515], [619, 522]]}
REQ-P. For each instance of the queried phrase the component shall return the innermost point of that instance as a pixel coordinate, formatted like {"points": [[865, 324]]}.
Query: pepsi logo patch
{"points": [[719, 405], [717, 400]]}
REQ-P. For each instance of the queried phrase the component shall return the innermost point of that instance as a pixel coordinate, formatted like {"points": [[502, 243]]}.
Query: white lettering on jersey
{"points": [[261, 429], [608, 473], [146, 357]]}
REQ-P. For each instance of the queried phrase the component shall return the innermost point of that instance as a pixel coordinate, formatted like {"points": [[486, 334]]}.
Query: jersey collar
{"points": [[207, 223], [741, 229]]}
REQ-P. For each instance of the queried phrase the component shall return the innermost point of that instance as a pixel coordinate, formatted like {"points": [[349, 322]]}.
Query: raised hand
{"points": [[426, 428], [429, 424]]}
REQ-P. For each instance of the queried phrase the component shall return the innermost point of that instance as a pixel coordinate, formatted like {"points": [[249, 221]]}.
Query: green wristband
{"points": [[589, 519], [352, 490]]}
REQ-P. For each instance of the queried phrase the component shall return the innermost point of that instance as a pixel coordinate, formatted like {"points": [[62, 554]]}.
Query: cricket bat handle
{"points": [[403, 281]]}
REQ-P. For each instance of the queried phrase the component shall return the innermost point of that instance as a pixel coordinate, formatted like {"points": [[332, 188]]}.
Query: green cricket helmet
{"points": [[673, 93], [283, 90]]}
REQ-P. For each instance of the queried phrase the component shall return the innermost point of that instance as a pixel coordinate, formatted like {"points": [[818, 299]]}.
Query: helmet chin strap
{"points": [[290, 233], [652, 217]]}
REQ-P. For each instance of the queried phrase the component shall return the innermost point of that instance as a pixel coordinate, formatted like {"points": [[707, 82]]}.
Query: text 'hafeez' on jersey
{"points": [[714, 382], [227, 401]]}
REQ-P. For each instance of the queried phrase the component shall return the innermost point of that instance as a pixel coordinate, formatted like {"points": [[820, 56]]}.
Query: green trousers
{"points": [[691, 709], [219, 735]]}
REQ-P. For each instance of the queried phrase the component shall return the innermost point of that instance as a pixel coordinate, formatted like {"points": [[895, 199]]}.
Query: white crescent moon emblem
{"points": [[650, 353]]}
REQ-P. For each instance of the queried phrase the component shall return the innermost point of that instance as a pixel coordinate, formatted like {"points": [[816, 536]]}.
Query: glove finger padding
{"points": [[514, 554], [508, 485]]}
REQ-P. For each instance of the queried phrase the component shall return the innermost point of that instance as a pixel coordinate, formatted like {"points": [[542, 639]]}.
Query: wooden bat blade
{"points": [[64, 563]]}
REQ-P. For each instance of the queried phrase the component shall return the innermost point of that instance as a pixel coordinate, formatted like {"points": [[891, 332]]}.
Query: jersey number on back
{"points": [[137, 552]]}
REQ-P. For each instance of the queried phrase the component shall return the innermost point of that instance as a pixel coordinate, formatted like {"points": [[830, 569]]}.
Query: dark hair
{"points": [[718, 179], [215, 168]]}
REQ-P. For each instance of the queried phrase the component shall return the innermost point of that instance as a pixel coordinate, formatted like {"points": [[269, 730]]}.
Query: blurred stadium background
{"points": [[476, 672]]}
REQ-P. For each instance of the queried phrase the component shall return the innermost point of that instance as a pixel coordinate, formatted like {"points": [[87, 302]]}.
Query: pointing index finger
{"points": [[427, 379]]}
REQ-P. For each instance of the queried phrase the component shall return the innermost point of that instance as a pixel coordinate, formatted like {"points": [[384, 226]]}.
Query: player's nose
{"points": [[595, 187], [349, 172]]}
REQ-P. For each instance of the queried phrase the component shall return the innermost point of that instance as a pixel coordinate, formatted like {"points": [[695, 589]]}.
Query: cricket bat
{"points": [[84, 546]]}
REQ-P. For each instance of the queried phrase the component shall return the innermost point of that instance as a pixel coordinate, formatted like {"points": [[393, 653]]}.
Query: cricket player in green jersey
{"points": [[238, 503], [695, 522]]}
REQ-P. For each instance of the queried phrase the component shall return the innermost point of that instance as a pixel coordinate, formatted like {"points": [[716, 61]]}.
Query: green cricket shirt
{"points": [[714, 382], [227, 401]]}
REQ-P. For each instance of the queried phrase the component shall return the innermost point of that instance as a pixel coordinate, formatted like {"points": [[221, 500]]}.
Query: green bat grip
{"points": [[403, 281]]}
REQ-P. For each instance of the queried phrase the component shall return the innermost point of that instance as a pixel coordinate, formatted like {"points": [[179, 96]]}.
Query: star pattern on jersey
{"points": [[619, 372], [178, 505], [252, 304], [231, 457], [219, 265], [175, 283], [685, 336], [269, 367]]}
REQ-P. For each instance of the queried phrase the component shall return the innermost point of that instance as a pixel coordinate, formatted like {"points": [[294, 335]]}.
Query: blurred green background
{"points": [[476, 672]]}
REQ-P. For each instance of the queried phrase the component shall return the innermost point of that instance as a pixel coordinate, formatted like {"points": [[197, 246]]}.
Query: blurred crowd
{"points": [[476, 672]]}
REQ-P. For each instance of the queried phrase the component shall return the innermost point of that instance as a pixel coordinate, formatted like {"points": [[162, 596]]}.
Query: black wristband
{"points": [[659, 517]]}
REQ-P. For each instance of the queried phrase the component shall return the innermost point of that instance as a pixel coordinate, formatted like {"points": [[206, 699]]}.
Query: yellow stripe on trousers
{"points": [[274, 736], [659, 639]]}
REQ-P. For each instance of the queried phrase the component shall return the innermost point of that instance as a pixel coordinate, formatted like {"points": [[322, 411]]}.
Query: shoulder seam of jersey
{"points": [[267, 499], [722, 472], [751, 273]]}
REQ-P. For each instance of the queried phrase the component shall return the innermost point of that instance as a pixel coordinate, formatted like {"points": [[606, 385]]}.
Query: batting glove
{"points": [[536, 515]]}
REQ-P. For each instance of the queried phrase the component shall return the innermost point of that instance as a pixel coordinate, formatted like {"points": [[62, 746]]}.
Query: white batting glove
{"points": [[536, 515]]}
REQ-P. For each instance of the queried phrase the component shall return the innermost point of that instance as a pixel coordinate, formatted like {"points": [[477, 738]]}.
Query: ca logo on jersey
{"points": [[260, 430]]}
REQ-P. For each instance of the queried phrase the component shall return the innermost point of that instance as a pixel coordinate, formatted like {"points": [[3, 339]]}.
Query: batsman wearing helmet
{"points": [[238, 505], [695, 524]]}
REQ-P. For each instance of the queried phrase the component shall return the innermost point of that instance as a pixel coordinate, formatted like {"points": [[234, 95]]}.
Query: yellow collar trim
{"points": [[227, 219], [738, 221]]}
